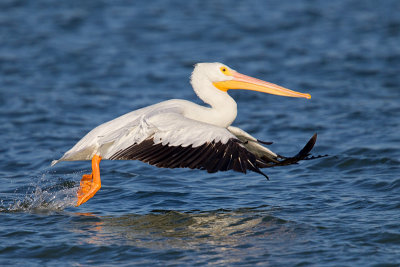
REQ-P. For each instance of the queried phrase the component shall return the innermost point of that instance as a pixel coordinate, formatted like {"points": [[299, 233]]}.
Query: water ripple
{"points": [[67, 67]]}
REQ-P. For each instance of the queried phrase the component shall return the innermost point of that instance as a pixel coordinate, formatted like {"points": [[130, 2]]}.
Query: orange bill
{"points": [[241, 81]]}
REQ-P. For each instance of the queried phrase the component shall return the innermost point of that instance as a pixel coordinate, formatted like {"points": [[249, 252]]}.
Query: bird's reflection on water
{"points": [[236, 233]]}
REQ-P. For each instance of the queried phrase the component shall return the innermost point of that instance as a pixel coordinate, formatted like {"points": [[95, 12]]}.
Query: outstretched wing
{"points": [[162, 136], [179, 142]]}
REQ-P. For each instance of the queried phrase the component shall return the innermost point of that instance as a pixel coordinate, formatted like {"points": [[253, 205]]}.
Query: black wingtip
{"points": [[266, 176], [302, 155], [307, 148], [257, 170]]}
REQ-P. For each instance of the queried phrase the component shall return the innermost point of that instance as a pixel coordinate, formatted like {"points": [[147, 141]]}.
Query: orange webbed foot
{"points": [[85, 186], [90, 183]]}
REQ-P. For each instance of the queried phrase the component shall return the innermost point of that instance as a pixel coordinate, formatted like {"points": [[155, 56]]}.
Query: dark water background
{"points": [[67, 66]]}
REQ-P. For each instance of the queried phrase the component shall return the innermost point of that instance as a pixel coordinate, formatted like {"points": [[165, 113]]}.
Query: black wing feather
{"points": [[211, 156]]}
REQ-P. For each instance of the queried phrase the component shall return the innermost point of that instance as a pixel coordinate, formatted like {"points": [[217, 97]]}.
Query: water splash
{"points": [[48, 193]]}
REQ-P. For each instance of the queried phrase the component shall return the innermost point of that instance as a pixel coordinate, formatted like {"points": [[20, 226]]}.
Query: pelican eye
{"points": [[225, 71]]}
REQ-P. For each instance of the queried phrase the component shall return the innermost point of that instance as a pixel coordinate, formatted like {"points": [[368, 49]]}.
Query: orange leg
{"points": [[90, 183]]}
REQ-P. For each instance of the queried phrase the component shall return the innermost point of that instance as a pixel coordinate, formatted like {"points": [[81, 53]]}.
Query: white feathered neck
{"points": [[223, 109]]}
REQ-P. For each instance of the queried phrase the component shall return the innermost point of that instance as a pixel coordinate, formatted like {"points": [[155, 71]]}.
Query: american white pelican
{"points": [[178, 133]]}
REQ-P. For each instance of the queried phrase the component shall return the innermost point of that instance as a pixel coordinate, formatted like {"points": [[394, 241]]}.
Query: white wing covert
{"points": [[167, 129], [178, 142]]}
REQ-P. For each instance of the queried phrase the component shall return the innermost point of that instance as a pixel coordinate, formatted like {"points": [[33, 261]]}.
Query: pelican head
{"points": [[224, 78]]}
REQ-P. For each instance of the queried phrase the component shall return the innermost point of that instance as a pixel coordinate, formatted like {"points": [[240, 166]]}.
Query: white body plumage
{"points": [[178, 133], [182, 124]]}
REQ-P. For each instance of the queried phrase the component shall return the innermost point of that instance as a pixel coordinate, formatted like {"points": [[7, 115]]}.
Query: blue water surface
{"points": [[67, 66]]}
